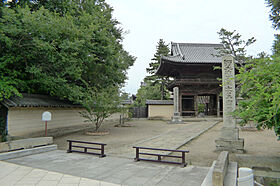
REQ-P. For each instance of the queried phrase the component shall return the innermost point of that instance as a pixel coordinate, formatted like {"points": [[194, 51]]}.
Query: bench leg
{"points": [[137, 155], [70, 147], [102, 155], [183, 160]]}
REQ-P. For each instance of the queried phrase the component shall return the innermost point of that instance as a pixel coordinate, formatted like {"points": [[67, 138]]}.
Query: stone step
{"points": [[230, 178]]}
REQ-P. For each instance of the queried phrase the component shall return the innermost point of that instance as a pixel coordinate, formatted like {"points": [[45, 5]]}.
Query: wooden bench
{"points": [[159, 156], [85, 148]]}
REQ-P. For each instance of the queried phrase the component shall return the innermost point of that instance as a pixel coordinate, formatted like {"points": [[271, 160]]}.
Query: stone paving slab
{"points": [[110, 169], [18, 175], [176, 138], [116, 168]]}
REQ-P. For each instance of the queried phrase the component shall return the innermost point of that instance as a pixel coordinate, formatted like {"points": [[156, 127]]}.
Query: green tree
{"points": [[260, 81], [275, 18], [234, 45], [162, 49], [100, 105], [61, 50], [124, 96], [274, 12], [148, 90], [261, 92]]}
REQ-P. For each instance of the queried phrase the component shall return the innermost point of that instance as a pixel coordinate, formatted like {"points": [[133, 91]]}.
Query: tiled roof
{"points": [[194, 53], [37, 100], [127, 102], [159, 102]]}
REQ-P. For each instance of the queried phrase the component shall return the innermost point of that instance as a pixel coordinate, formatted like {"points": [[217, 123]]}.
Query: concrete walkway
{"points": [[178, 137], [17, 175], [172, 139], [112, 169], [58, 167]]}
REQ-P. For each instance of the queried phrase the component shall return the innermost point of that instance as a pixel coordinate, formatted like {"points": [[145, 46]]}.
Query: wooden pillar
{"points": [[218, 105], [211, 105], [196, 105], [180, 102]]}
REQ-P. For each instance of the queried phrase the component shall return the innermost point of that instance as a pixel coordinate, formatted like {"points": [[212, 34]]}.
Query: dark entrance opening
{"points": [[188, 105], [203, 104], [3, 122]]}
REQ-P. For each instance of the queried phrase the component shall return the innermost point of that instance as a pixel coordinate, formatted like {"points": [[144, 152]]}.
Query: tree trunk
{"points": [[162, 91]]}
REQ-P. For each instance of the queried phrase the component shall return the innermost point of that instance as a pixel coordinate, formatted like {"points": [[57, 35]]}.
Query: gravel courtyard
{"points": [[159, 134], [147, 133]]}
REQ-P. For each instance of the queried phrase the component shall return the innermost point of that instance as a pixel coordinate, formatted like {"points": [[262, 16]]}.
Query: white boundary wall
{"points": [[24, 121], [160, 111]]}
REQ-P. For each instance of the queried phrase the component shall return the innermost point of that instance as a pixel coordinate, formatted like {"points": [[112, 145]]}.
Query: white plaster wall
{"points": [[24, 121], [160, 111]]}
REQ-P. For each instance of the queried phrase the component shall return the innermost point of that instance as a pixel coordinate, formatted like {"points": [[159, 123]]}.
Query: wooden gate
{"points": [[139, 112]]}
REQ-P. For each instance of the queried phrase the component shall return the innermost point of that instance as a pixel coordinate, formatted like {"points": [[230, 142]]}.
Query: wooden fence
{"points": [[139, 112]]}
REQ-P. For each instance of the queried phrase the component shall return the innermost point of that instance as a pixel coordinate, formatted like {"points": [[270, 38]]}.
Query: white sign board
{"points": [[46, 116]]}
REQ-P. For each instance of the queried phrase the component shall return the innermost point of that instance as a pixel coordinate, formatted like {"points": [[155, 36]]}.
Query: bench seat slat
{"points": [[76, 141], [172, 156], [148, 148], [86, 152], [86, 147]]}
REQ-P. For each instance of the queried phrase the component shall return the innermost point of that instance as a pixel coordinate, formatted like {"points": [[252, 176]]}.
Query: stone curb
{"points": [[27, 152]]}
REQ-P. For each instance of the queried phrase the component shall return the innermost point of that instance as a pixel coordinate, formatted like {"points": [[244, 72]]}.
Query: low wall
{"points": [[220, 169], [26, 122], [160, 111], [25, 143], [27, 152]]}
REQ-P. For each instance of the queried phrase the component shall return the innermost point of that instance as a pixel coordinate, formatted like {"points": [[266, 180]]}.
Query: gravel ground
{"points": [[121, 139], [202, 149]]}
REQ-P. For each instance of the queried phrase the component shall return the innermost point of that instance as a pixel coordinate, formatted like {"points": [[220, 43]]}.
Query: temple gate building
{"points": [[191, 65]]}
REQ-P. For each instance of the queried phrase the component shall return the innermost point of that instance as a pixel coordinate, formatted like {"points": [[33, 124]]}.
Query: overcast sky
{"points": [[187, 21]]}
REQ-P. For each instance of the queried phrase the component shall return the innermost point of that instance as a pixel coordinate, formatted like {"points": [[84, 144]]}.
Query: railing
{"points": [[198, 80], [194, 81], [159, 156], [85, 148]]}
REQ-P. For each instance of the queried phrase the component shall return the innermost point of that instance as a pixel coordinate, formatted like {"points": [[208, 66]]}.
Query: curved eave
{"points": [[169, 67], [166, 67]]}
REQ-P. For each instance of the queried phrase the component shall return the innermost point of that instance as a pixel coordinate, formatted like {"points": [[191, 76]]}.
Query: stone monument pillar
{"points": [[229, 139], [176, 116], [218, 105]]}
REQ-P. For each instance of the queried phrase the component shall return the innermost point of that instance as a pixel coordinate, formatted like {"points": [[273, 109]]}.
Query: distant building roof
{"points": [[194, 53], [127, 102], [159, 102], [37, 100], [189, 54]]}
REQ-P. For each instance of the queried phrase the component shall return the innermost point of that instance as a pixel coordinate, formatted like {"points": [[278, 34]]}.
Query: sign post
{"points": [[46, 116]]}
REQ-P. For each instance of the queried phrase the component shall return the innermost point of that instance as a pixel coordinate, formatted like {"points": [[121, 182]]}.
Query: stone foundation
{"points": [[230, 145], [176, 120], [229, 133]]}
